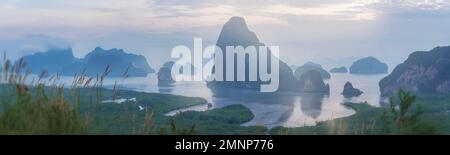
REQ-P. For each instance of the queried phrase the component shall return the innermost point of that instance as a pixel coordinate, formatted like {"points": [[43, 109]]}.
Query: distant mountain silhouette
{"points": [[236, 33], [369, 65], [309, 66], [427, 72], [62, 61], [339, 70]]}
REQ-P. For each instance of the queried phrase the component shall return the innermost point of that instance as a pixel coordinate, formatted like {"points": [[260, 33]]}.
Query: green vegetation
{"points": [[27, 114], [226, 121], [33, 111], [401, 119], [421, 114], [46, 106], [363, 122], [39, 112]]}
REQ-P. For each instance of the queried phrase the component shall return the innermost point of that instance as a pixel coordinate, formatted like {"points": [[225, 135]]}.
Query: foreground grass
{"points": [[24, 113], [39, 111], [47, 106]]}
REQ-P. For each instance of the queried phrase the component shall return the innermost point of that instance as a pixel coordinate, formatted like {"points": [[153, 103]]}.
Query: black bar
{"points": [[279, 143]]}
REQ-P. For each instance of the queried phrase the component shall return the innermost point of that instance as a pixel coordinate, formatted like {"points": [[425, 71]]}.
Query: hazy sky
{"points": [[319, 30]]}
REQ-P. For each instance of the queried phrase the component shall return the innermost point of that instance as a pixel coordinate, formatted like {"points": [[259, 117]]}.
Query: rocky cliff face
{"points": [[421, 72], [165, 74], [312, 81], [119, 61], [236, 33], [350, 91]]}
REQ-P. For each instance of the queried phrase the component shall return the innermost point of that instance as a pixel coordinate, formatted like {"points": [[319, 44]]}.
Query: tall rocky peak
{"points": [[236, 33]]}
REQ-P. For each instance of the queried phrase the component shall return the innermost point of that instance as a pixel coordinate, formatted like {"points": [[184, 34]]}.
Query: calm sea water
{"points": [[289, 109]]}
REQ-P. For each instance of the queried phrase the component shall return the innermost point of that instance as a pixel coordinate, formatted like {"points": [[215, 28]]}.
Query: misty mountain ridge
{"points": [[63, 61]]}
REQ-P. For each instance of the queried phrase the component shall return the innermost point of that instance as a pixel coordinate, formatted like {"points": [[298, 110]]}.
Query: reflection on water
{"points": [[165, 89], [311, 104], [290, 109]]}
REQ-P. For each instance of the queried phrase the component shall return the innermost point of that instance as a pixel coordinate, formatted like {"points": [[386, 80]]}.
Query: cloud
{"points": [[178, 15], [415, 4], [300, 25], [27, 44], [339, 11]]}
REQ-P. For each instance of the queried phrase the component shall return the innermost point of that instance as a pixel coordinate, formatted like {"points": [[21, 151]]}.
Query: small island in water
{"points": [[369, 65]]}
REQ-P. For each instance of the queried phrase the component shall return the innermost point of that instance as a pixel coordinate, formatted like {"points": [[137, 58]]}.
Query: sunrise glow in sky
{"points": [[309, 30]]}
